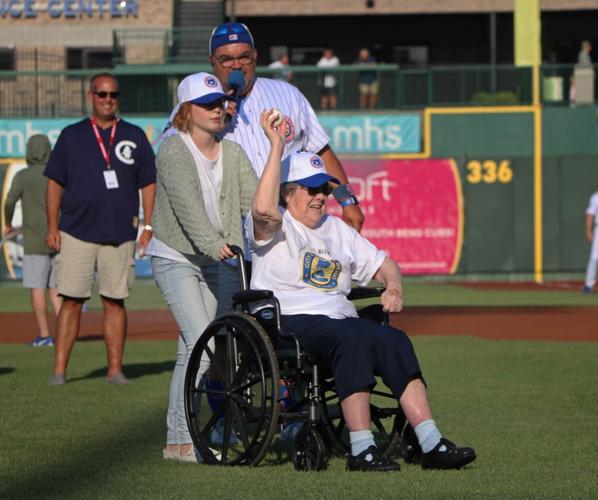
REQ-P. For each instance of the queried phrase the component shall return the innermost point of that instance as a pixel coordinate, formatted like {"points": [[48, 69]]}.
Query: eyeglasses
{"points": [[244, 59], [102, 94], [325, 189]]}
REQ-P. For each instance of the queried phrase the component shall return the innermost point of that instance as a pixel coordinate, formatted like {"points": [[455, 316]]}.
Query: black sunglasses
{"points": [[102, 94], [212, 105], [325, 189]]}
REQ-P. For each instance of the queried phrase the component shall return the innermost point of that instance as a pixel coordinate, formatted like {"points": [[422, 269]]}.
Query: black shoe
{"points": [[377, 463], [451, 458]]}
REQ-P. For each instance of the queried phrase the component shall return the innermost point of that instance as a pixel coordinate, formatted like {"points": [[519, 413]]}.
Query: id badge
{"points": [[111, 179]]}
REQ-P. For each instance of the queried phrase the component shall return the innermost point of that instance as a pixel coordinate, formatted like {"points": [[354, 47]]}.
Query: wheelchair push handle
{"points": [[242, 269], [237, 251]]}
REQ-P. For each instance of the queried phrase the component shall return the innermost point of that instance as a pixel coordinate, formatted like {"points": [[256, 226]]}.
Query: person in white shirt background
{"points": [[328, 98]]}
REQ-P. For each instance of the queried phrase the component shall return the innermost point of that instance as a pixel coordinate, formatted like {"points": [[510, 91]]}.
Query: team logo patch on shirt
{"points": [[124, 152], [289, 129], [319, 272], [210, 81]]}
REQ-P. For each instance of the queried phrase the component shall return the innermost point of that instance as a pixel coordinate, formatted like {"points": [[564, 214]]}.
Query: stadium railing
{"points": [[151, 88]]}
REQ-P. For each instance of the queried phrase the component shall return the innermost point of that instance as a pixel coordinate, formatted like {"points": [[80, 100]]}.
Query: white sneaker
{"points": [[190, 457]]}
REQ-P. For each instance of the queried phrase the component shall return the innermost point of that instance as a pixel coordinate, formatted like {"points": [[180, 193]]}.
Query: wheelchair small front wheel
{"points": [[308, 451]]}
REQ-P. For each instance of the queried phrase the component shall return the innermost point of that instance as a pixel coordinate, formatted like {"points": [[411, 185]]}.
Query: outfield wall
{"points": [[451, 191], [499, 222]]}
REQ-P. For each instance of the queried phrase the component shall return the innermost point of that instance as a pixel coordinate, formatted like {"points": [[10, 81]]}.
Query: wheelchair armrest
{"points": [[248, 296], [365, 293]]}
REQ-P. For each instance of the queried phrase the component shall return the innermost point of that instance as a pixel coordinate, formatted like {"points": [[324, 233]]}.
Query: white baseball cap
{"points": [[199, 88], [305, 168]]}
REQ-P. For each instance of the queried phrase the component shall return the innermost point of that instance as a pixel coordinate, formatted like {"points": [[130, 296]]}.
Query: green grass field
{"points": [[528, 408]]}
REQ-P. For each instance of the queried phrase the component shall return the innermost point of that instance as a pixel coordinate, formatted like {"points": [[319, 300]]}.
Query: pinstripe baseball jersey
{"points": [[305, 131]]}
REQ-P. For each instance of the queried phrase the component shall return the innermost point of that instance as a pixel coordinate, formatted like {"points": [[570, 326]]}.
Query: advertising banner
{"points": [[349, 134], [14, 133], [413, 209], [373, 134]]}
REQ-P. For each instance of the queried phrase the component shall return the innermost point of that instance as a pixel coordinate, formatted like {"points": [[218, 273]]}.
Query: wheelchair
{"points": [[240, 375]]}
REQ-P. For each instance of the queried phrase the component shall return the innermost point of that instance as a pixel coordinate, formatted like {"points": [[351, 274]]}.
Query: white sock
{"points": [[361, 441], [428, 435]]}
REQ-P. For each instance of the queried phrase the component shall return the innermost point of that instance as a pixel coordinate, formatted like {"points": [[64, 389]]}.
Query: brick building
{"points": [[78, 36]]}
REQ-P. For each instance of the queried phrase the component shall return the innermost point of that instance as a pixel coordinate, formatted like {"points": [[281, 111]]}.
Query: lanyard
{"points": [[105, 154]]}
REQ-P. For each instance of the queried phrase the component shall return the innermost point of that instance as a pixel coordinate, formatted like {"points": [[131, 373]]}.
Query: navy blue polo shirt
{"points": [[89, 210]]}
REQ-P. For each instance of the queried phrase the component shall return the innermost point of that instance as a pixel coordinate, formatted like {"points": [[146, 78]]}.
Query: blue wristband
{"points": [[344, 195], [351, 200]]}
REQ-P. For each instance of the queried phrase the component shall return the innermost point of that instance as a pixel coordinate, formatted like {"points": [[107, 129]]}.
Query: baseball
{"points": [[276, 117]]}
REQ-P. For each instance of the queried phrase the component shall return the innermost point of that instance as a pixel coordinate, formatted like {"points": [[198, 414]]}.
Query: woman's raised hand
{"points": [[274, 125]]}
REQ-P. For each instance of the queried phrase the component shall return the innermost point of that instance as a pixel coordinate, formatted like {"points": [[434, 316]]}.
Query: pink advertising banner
{"points": [[413, 209]]}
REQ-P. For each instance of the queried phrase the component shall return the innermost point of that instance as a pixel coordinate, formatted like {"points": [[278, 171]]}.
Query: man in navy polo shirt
{"points": [[94, 175]]}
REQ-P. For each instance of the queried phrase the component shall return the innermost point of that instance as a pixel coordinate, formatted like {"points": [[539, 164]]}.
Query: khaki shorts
{"points": [[369, 88], [79, 262]]}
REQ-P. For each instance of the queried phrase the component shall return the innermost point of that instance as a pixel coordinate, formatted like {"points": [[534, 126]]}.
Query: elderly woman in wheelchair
{"points": [[303, 265]]}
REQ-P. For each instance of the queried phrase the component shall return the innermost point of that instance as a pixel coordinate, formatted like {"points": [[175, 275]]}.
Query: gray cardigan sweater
{"points": [[180, 220]]}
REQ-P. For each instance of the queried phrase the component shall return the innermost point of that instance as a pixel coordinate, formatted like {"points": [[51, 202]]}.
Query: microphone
{"points": [[236, 81]]}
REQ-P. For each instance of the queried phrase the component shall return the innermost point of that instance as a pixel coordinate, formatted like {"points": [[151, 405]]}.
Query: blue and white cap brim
{"points": [[317, 180], [213, 97]]}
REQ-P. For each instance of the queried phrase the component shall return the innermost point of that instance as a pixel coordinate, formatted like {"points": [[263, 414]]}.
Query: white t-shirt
{"points": [[593, 207], [306, 133], [310, 270], [210, 174], [329, 79]]}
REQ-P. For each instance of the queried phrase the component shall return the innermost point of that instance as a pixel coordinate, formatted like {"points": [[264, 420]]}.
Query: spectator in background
{"points": [[29, 186], [583, 58], [581, 84], [282, 65], [94, 175], [368, 81], [592, 237], [328, 99]]}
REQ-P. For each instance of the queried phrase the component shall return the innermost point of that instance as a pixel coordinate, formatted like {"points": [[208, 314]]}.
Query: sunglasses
{"points": [[325, 189], [212, 105], [102, 94], [227, 28]]}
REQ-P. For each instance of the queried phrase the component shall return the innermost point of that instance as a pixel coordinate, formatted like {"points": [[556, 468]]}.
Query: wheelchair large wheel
{"points": [[231, 389], [387, 418]]}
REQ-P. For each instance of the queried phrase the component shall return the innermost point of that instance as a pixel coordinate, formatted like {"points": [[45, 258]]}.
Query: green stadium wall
{"points": [[493, 151], [499, 206]]}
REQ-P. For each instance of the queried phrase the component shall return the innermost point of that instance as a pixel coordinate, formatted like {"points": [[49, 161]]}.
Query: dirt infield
{"points": [[522, 285], [512, 323]]}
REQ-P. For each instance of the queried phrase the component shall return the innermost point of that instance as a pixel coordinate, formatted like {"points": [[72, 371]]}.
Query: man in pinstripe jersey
{"points": [[232, 49]]}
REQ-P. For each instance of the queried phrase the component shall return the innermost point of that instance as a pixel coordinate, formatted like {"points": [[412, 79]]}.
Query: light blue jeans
{"points": [[195, 296]]}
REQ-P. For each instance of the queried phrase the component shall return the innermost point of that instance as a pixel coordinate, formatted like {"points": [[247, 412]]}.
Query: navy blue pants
{"points": [[357, 350]]}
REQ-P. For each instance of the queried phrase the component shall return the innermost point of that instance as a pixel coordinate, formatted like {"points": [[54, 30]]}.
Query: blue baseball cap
{"points": [[305, 168], [230, 33]]}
